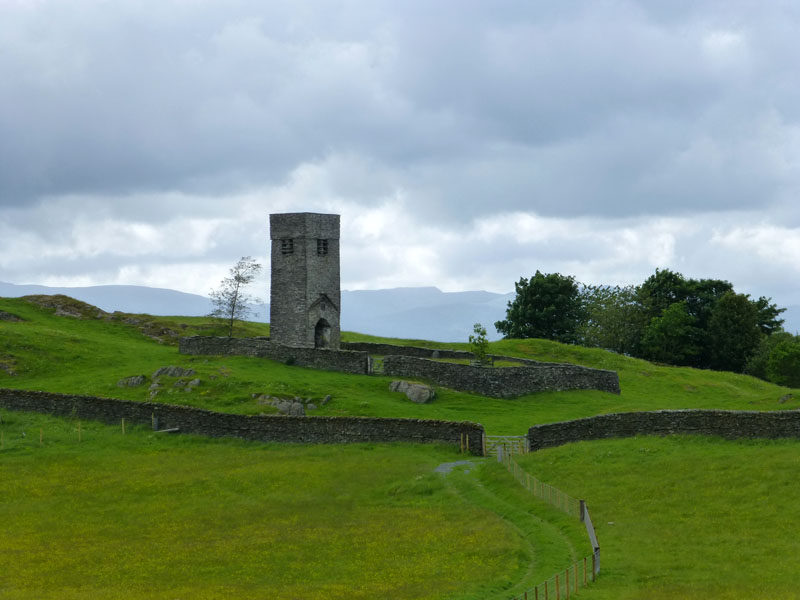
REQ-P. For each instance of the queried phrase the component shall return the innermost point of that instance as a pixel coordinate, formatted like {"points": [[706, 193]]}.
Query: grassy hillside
{"points": [[163, 517], [89, 353], [685, 516], [146, 515]]}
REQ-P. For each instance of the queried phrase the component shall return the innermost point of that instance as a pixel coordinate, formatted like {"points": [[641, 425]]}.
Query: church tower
{"points": [[305, 294]]}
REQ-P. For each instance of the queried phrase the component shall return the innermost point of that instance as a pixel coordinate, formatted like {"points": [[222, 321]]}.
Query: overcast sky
{"points": [[465, 143]]}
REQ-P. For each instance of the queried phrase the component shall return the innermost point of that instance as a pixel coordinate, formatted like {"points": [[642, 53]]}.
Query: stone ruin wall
{"points": [[406, 361], [503, 382], [731, 424], [332, 360], [266, 428]]}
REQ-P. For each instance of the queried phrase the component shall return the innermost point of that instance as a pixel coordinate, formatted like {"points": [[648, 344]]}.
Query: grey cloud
{"points": [[573, 108]]}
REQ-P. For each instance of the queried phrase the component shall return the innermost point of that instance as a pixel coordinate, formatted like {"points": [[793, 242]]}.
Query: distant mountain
{"points": [[421, 313], [413, 312]]}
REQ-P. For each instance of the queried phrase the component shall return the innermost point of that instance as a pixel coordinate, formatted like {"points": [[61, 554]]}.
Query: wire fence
{"points": [[578, 575]]}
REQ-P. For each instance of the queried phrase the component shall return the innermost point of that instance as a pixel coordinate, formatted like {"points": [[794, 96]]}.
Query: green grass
{"points": [[63, 354], [172, 517], [155, 516], [685, 516]]}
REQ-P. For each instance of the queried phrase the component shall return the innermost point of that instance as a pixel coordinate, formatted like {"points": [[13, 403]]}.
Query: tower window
{"points": [[287, 246], [322, 247]]}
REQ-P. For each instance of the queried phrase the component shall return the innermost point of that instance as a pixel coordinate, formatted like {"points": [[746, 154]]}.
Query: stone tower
{"points": [[305, 296]]}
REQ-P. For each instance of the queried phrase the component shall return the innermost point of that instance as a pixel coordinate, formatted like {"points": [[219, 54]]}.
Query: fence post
{"points": [[594, 565], [566, 581], [483, 442], [576, 578], [583, 510], [558, 589], [546, 593]]}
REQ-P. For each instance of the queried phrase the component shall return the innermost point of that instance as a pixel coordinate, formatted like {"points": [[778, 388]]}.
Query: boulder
{"points": [[297, 410], [173, 371], [416, 392], [133, 381], [326, 399]]}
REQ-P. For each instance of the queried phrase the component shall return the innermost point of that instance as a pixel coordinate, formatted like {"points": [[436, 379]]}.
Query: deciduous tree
{"points": [[230, 300], [546, 306]]}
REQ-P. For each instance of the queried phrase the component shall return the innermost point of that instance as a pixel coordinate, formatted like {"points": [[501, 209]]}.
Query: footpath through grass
{"points": [[146, 515], [685, 516]]}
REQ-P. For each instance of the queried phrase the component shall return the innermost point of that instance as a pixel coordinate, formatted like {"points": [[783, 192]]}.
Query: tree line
{"points": [[668, 318]]}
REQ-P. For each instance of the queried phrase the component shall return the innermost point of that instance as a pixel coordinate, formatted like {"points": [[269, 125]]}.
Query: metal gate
{"points": [[511, 444]]}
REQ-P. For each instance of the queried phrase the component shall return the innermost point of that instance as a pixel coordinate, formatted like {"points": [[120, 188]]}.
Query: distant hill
{"points": [[419, 313]]}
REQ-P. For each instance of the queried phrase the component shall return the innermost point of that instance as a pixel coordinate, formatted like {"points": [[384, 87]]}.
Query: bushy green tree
{"points": [[783, 365], [733, 333], [672, 338], [757, 363], [478, 343], [768, 314], [615, 319], [546, 306]]}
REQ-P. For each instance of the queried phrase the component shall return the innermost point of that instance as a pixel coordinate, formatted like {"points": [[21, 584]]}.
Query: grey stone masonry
{"points": [[331, 360], [731, 424], [266, 428], [504, 382], [305, 293]]}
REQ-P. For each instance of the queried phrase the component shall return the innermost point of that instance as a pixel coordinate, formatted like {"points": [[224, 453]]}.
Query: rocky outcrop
{"points": [[416, 392]]}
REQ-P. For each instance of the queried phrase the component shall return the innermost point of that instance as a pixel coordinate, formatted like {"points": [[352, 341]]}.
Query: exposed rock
{"points": [[311, 406], [134, 381], [326, 399], [416, 392], [435, 354], [64, 306], [173, 371], [5, 316], [297, 410], [786, 397], [193, 383], [283, 407], [154, 386]]}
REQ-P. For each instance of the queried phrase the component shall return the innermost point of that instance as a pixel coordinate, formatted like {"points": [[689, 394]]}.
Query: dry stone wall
{"points": [[418, 352], [331, 360], [506, 382], [730, 424], [267, 428]]}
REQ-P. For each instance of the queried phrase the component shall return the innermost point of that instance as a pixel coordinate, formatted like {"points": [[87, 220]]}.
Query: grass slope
{"points": [[148, 515], [184, 517], [685, 516], [89, 355]]}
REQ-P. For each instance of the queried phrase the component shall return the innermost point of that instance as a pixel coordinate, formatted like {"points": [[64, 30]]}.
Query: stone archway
{"points": [[322, 334]]}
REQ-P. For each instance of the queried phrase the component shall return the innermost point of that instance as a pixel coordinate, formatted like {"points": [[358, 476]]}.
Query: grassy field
{"points": [[685, 516], [152, 516], [89, 355], [184, 517]]}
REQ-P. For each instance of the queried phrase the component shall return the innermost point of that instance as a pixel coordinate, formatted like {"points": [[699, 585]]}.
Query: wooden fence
{"points": [[567, 582]]}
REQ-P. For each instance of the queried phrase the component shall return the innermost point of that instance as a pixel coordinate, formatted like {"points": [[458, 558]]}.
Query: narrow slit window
{"points": [[322, 247], [287, 246]]}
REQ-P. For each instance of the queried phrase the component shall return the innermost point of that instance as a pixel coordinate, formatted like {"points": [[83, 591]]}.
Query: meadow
{"points": [[144, 515], [159, 516], [90, 355]]}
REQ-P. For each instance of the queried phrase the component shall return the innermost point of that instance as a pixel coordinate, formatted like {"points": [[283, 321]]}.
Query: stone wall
{"points": [[506, 382], [269, 428], [418, 352], [331, 360], [730, 424]]}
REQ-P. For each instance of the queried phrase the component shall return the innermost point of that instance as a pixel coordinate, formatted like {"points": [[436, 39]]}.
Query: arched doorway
{"points": [[322, 334]]}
